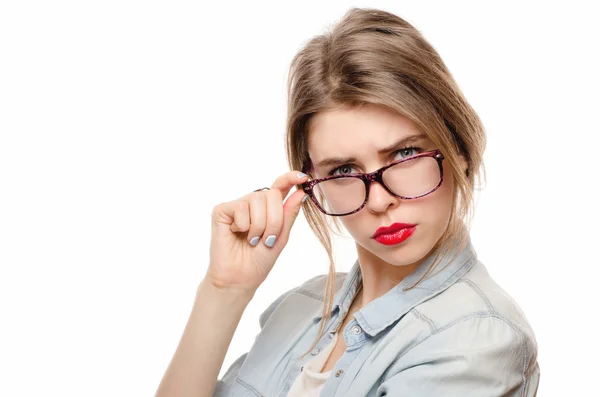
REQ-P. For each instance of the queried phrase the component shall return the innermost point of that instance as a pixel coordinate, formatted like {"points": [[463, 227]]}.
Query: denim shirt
{"points": [[456, 334]]}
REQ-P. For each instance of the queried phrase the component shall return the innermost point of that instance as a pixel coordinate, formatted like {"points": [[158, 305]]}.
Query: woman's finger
{"points": [[241, 217], [285, 182], [274, 219], [258, 208], [291, 209]]}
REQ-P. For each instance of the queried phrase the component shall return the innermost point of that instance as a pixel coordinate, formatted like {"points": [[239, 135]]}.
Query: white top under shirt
{"points": [[311, 380]]}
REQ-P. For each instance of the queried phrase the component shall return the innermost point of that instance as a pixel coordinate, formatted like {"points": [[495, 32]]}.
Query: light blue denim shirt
{"points": [[456, 334]]}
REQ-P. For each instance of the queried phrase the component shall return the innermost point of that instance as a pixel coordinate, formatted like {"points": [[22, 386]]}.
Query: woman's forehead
{"points": [[348, 132], [370, 119]]}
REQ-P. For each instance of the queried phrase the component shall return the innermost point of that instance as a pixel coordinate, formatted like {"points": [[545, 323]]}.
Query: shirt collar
{"points": [[388, 308]]}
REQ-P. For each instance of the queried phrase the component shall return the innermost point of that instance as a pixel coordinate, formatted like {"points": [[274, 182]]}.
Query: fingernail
{"points": [[270, 241], [305, 198], [254, 241], [301, 175]]}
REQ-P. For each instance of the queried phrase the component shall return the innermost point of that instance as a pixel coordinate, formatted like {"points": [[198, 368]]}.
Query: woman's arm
{"points": [[195, 366]]}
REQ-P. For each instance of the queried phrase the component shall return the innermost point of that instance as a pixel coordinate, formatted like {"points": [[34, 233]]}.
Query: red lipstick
{"points": [[394, 234]]}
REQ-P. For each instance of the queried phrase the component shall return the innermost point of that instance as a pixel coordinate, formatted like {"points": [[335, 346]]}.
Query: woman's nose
{"points": [[380, 200]]}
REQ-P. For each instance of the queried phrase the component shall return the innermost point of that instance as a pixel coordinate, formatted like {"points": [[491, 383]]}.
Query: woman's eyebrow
{"points": [[333, 161]]}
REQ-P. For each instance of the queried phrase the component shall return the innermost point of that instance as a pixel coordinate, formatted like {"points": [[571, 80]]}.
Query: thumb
{"points": [[291, 209]]}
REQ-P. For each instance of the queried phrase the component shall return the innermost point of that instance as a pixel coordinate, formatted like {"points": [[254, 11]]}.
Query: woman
{"points": [[390, 149]]}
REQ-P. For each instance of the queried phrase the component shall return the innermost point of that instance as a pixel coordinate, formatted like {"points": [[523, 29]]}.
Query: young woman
{"points": [[390, 150]]}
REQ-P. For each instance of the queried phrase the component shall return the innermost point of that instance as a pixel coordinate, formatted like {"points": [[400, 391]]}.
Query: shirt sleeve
{"points": [[481, 355], [224, 384]]}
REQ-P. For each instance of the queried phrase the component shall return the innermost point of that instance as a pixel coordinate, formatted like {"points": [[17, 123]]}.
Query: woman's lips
{"points": [[392, 228], [395, 237]]}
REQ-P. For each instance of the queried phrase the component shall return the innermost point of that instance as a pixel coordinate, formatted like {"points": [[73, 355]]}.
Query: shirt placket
{"points": [[355, 339]]}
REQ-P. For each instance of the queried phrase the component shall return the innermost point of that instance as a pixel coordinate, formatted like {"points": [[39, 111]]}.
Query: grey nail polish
{"points": [[254, 241], [305, 198], [301, 175], [270, 241]]}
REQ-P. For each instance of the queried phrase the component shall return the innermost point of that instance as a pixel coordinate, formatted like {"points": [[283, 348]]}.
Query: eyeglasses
{"points": [[409, 178]]}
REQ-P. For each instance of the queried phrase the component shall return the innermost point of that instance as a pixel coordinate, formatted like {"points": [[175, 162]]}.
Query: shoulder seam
{"points": [[309, 294], [480, 293], [425, 319], [301, 290]]}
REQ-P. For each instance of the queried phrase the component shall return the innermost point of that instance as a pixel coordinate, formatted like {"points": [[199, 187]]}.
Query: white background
{"points": [[122, 123]]}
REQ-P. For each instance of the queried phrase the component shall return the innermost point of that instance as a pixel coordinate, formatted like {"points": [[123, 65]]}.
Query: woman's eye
{"points": [[409, 151], [344, 169]]}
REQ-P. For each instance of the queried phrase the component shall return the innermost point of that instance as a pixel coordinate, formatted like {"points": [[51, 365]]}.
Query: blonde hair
{"points": [[374, 57]]}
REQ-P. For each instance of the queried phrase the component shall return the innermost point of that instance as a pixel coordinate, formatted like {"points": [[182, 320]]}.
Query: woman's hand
{"points": [[249, 233]]}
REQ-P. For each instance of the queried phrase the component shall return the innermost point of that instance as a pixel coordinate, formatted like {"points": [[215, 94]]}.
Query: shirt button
{"points": [[356, 330], [339, 373], [315, 351]]}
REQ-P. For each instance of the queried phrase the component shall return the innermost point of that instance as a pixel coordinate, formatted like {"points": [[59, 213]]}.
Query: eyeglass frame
{"points": [[375, 176]]}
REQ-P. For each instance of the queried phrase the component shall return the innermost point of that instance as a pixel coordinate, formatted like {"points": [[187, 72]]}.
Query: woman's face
{"points": [[360, 133]]}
